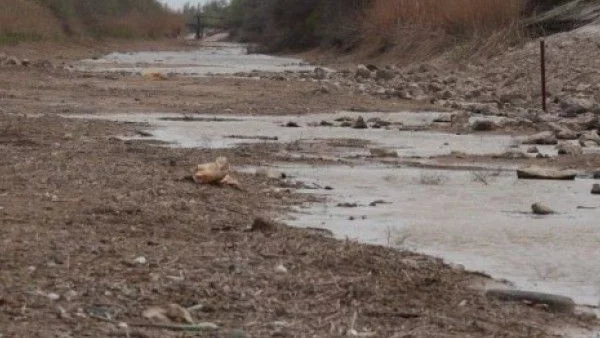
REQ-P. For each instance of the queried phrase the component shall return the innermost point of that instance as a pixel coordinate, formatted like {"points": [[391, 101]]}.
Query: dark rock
{"points": [[360, 123], [555, 303], [292, 124], [596, 189], [539, 173], [347, 205], [483, 125], [540, 209]]}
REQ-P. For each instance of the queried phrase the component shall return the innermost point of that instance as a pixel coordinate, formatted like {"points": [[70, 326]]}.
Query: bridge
{"points": [[202, 21]]}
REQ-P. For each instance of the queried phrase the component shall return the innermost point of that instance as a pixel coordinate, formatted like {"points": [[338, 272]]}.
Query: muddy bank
{"points": [[80, 208]]}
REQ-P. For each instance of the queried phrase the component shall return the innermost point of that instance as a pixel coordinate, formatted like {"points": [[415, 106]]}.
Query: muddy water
{"points": [[478, 219], [213, 58]]}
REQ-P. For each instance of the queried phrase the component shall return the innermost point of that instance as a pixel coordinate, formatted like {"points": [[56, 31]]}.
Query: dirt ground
{"points": [[80, 208]]}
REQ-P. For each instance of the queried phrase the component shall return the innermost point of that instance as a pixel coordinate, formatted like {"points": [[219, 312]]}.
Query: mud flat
{"points": [[479, 218]]}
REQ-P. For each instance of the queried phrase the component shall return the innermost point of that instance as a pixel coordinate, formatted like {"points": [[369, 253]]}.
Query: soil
{"points": [[79, 207]]}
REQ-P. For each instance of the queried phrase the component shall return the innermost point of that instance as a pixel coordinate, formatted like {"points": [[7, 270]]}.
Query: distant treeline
{"points": [[43, 19], [403, 25]]}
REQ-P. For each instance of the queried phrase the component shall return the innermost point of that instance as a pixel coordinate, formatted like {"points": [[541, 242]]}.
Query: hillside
{"points": [[55, 19]]}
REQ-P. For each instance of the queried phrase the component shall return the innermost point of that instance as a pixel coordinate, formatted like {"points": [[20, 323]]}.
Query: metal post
{"points": [[543, 66]]}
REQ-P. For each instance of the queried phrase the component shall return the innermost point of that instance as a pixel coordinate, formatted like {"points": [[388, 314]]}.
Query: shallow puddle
{"points": [[480, 219], [214, 58]]}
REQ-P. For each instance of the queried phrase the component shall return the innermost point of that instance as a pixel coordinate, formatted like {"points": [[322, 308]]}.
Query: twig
{"points": [[199, 327]]}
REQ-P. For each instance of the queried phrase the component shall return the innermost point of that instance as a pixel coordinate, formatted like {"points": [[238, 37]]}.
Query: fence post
{"points": [[543, 69]]}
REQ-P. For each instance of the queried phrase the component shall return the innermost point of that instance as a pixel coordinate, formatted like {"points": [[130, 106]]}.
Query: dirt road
{"points": [[95, 230]]}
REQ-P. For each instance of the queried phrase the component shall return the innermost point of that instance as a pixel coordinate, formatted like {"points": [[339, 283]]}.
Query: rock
{"points": [[377, 202], [533, 150], [325, 124], [347, 205], [539, 173], [554, 302], [596, 175], [362, 72], [562, 132], [281, 269], [292, 124], [170, 313], [574, 106], [384, 74], [540, 209], [263, 225], [320, 73], [546, 137], [143, 133], [360, 123], [446, 118], [483, 109], [568, 148], [53, 296], [447, 94], [596, 189], [590, 137], [483, 125], [379, 152], [140, 260]]}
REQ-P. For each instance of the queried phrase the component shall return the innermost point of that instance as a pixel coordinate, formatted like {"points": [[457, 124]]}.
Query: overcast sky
{"points": [[178, 4]]}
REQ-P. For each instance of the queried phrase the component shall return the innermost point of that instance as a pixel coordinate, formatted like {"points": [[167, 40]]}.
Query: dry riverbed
{"points": [[96, 229]]}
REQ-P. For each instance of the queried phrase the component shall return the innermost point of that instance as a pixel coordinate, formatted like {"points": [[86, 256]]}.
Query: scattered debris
{"points": [[261, 138], [540, 209]]}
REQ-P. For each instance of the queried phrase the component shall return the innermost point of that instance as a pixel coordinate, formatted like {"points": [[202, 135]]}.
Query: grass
{"points": [[432, 26], [34, 20]]}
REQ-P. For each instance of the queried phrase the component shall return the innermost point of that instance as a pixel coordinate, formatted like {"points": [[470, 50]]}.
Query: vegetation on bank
{"points": [[22, 20], [408, 27]]}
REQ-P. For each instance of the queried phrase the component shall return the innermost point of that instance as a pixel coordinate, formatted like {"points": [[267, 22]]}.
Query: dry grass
{"points": [[22, 19], [429, 26]]}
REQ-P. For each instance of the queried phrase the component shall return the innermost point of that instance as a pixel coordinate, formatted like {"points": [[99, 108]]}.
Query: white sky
{"points": [[178, 4]]}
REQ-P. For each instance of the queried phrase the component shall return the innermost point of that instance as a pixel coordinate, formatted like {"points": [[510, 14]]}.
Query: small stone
{"points": [[140, 260], [533, 150], [596, 175], [281, 269], [540, 209], [569, 149], [360, 123], [546, 137], [292, 124], [596, 189], [53, 296], [347, 205]]}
